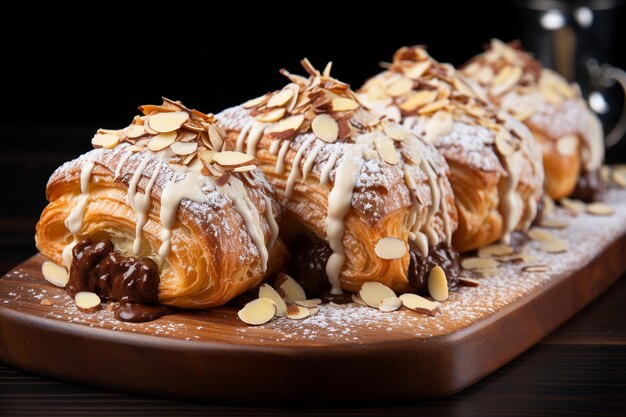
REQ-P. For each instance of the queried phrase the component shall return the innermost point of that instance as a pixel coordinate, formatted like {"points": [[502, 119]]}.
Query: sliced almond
{"points": [[233, 158], [479, 263], [292, 290], [416, 70], [540, 235], [387, 150], [358, 300], [135, 131], [266, 291], [619, 178], [55, 274], [487, 272], [400, 87], [505, 80], [548, 205], [553, 223], [554, 246], [419, 304], [418, 99], [105, 140], [161, 141], [600, 209], [271, 116], [186, 136], [390, 304], [438, 284], [46, 302], [567, 145], [575, 206], [289, 124], [168, 122], [434, 106], [390, 248], [296, 312], [325, 128], [87, 302], [397, 132], [280, 98], [255, 102], [561, 87], [525, 114], [215, 137], [605, 174], [207, 156], [373, 293], [245, 168], [504, 145], [184, 148], [550, 94], [495, 250], [258, 311], [468, 282], [536, 268], [312, 303], [343, 104], [462, 87]]}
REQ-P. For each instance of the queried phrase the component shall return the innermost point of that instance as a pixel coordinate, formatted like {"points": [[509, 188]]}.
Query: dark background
{"points": [[64, 76]]}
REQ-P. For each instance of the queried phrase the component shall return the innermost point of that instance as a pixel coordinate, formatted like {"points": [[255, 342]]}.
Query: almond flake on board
{"points": [[468, 282], [536, 268], [554, 246], [373, 293], [438, 284], [290, 287], [296, 312], [553, 223], [419, 304], [55, 274], [258, 311], [600, 209], [167, 122], [266, 291], [358, 300], [390, 248], [619, 177], [390, 304], [479, 263], [87, 302], [540, 235], [575, 206], [325, 128], [312, 303], [494, 250]]}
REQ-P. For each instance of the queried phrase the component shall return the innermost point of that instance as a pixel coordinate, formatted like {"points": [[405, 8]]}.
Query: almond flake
{"points": [[561, 87], [87, 302], [289, 124], [215, 137], [135, 131], [468, 282], [266, 291], [605, 174], [161, 141], [186, 136], [536, 268], [168, 122], [255, 102], [105, 140], [373, 293], [438, 284], [619, 178], [233, 158], [600, 209], [575, 206], [390, 304], [548, 205], [325, 128], [358, 300], [549, 94], [207, 156], [245, 168], [55, 274], [397, 132], [280, 98], [479, 263], [554, 246], [400, 87], [258, 311], [292, 290], [417, 100], [504, 145], [183, 149], [540, 235], [462, 87], [434, 106], [495, 251], [567, 145], [505, 80], [419, 304], [271, 116], [415, 71], [46, 302], [343, 104], [390, 248], [312, 303], [295, 312], [525, 114], [387, 150], [553, 223]]}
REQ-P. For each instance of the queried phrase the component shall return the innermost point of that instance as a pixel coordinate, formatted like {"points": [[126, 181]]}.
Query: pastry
{"points": [[159, 213], [570, 135], [495, 164], [365, 199]]}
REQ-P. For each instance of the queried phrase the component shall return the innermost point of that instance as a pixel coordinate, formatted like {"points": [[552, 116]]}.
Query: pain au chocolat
{"points": [[160, 213], [495, 164], [367, 199], [570, 135]]}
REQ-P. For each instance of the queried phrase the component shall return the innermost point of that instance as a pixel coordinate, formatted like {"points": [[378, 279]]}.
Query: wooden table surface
{"points": [[578, 370]]}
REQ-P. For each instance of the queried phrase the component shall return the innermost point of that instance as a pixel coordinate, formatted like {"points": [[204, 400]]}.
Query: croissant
{"points": [[570, 135], [495, 164], [155, 214], [365, 199]]}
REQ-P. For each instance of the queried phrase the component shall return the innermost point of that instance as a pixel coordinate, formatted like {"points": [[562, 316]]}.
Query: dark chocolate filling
{"points": [[114, 277], [420, 267], [589, 187]]}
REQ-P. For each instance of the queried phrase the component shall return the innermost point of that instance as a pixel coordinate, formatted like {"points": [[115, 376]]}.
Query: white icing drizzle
{"points": [[339, 203], [310, 159], [241, 139], [328, 166], [254, 136], [280, 160], [295, 167], [512, 204], [274, 147], [67, 254], [271, 221], [236, 191], [139, 202], [120, 164]]}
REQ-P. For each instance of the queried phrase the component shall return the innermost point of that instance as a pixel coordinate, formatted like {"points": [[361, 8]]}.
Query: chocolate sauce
{"points": [[308, 265], [419, 267], [140, 313], [114, 277], [589, 187]]}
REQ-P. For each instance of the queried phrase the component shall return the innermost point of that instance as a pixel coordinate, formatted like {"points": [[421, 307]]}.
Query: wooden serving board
{"points": [[343, 354]]}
